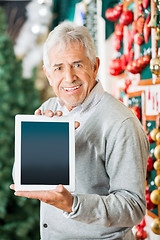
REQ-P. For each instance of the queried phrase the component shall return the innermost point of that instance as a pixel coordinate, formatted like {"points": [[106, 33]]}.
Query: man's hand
{"points": [[49, 113], [60, 197]]}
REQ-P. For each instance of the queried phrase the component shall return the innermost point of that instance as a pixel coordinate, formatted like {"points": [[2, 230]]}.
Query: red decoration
{"points": [[140, 24], [150, 162], [145, 3], [112, 14], [117, 43], [138, 64], [150, 205], [115, 67], [137, 111], [128, 82], [139, 40], [141, 234], [126, 18], [150, 139], [119, 31], [146, 29], [130, 39]]}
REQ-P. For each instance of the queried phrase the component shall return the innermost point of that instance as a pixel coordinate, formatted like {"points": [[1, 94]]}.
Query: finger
{"points": [[60, 188], [38, 112], [58, 113], [12, 186], [77, 124], [30, 194], [49, 113]]}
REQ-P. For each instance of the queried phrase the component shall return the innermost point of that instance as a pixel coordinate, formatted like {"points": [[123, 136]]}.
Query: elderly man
{"points": [[111, 147]]}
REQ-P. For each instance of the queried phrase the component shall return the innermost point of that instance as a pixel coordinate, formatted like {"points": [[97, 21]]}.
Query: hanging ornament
{"points": [[145, 3], [139, 40], [157, 180], [155, 196], [112, 14], [153, 133], [141, 234], [158, 137], [149, 138], [150, 205], [150, 162], [146, 30], [140, 24], [157, 152], [155, 226], [126, 17], [156, 165]]}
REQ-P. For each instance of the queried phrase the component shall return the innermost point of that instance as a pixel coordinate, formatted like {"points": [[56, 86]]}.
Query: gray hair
{"points": [[66, 33]]}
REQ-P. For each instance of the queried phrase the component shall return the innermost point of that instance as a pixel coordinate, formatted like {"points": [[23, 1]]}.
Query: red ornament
{"points": [[112, 14], [139, 40], [150, 139], [140, 24], [137, 111], [115, 67], [141, 234], [150, 205], [150, 162], [145, 3], [146, 30], [146, 59], [119, 31], [126, 18], [117, 43], [134, 27]]}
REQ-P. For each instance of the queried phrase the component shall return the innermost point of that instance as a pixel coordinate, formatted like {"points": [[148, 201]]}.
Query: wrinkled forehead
{"points": [[62, 47]]}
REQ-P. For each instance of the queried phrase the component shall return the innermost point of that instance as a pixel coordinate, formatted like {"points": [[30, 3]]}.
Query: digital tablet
{"points": [[44, 153]]}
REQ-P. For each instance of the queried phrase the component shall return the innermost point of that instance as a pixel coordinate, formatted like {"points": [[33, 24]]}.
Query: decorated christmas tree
{"points": [[19, 217]]}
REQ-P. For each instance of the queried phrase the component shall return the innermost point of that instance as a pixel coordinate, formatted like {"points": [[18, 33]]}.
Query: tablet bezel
{"points": [[17, 165]]}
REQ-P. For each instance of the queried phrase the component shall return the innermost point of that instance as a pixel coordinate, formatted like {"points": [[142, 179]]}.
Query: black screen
{"points": [[45, 153]]}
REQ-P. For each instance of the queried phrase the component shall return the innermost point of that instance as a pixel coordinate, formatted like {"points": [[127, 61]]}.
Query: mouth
{"points": [[71, 89]]}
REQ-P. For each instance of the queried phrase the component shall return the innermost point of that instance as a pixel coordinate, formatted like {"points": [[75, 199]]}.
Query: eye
{"points": [[58, 68], [77, 65]]}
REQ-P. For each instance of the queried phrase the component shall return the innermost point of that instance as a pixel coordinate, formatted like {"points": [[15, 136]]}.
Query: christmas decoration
{"points": [[150, 162], [157, 165], [113, 14], [153, 133], [155, 196], [157, 180], [157, 152], [126, 18], [155, 226]]}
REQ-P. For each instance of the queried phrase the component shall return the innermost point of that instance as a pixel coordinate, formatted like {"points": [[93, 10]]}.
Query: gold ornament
{"points": [[157, 165], [154, 132], [155, 66], [155, 226], [155, 196], [158, 137], [157, 152], [157, 180]]}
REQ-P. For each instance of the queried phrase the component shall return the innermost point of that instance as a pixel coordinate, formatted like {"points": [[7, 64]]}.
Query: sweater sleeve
{"points": [[126, 159]]}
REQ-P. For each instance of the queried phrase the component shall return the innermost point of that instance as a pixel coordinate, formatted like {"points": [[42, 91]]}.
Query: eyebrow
{"points": [[60, 64]]}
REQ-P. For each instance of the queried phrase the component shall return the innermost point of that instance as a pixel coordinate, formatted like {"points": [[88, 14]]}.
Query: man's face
{"points": [[71, 74]]}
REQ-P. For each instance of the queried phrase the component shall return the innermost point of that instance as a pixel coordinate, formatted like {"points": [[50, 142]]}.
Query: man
{"points": [[111, 147]]}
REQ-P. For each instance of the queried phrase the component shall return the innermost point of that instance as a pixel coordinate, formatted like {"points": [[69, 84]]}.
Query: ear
{"points": [[47, 75], [96, 66]]}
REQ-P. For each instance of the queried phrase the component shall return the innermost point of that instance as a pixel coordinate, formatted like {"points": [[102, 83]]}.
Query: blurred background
{"points": [[126, 34]]}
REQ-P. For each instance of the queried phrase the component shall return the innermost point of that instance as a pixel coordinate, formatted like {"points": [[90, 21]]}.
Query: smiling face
{"points": [[71, 75]]}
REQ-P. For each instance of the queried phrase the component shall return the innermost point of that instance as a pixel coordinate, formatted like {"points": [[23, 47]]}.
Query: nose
{"points": [[69, 75]]}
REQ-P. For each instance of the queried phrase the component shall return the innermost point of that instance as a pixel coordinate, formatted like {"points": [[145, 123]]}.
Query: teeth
{"points": [[70, 89]]}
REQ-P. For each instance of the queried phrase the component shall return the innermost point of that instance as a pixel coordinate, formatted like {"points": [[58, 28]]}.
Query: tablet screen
{"points": [[44, 152]]}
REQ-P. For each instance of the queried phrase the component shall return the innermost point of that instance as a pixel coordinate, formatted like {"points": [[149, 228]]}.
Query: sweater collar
{"points": [[93, 98]]}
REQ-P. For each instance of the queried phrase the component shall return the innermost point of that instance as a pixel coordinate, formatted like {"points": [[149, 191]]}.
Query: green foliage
{"points": [[19, 217]]}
